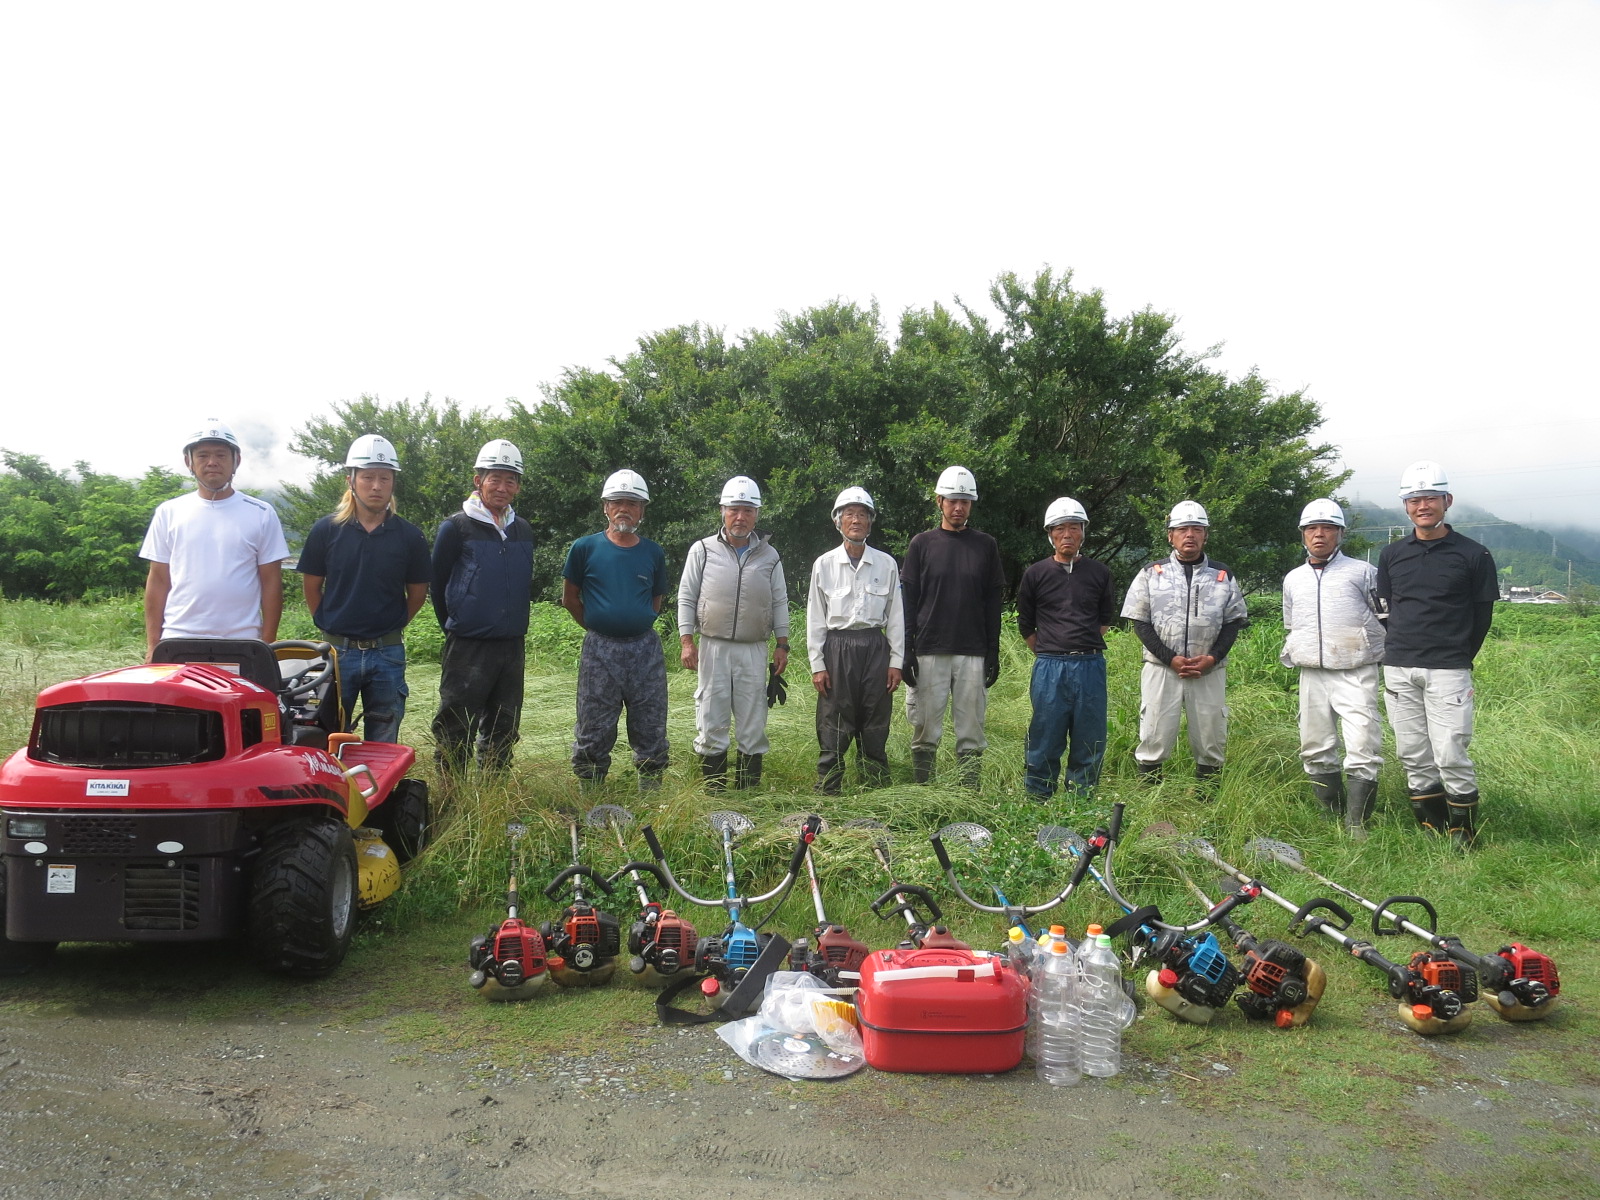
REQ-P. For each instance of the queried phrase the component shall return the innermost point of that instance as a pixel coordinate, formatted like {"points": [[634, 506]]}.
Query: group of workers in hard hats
{"points": [[931, 624]]}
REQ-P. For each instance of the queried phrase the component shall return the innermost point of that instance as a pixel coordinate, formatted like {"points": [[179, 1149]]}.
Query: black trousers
{"points": [[857, 707], [480, 702]]}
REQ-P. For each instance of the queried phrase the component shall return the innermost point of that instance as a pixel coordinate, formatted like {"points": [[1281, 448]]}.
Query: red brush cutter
{"points": [[660, 942], [583, 941], [830, 953], [1518, 983], [509, 963]]}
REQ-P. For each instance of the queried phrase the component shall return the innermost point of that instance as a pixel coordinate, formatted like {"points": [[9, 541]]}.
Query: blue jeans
{"points": [[1069, 712], [378, 679]]}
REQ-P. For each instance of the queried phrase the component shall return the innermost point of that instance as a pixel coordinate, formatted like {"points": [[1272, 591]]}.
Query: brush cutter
{"points": [[583, 941], [1194, 977], [1281, 984], [660, 942], [1434, 990], [742, 957], [830, 953], [978, 837], [511, 957], [905, 897], [1518, 983]]}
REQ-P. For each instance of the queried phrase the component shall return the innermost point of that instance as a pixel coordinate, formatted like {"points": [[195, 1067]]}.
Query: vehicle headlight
{"points": [[25, 827]]}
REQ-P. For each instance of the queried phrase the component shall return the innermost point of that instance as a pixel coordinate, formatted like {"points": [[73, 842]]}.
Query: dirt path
{"points": [[147, 1105]]}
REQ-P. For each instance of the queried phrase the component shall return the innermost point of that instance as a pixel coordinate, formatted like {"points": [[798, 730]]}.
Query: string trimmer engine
{"points": [[661, 939], [512, 954], [1439, 982], [1274, 979], [582, 937], [1194, 967]]}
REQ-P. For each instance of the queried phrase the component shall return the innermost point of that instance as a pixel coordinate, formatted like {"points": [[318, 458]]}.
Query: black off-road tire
{"points": [[18, 958], [405, 819], [303, 897]]}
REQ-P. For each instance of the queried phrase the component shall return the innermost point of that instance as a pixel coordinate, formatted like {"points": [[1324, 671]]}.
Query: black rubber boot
{"points": [[1462, 812], [1207, 780], [649, 781], [922, 765], [589, 784], [1329, 791], [970, 765], [746, 772], [1150, 773], [1358, 806], [715, 768], [1428, 806]]}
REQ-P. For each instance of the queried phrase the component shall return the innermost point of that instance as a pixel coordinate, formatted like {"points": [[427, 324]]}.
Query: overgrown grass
{"points": [[1535, 876]]}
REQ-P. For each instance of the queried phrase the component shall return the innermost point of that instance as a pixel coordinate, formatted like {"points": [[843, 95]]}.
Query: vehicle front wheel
{"points": [[303, 897]]}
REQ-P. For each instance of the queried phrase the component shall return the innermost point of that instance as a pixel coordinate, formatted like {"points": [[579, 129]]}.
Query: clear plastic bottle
{"points": [[1056, 1058], [1019, 951], [1100, 1006]]}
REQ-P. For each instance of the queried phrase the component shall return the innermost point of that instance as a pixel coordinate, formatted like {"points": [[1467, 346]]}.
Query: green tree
{"points": [[437, 445], [74, 536]]}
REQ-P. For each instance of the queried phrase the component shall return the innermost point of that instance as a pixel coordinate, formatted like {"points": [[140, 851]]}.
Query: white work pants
{"points": [[956, 680], [1335, 701], [1163, 698], [1431, 711], [733, 686]]}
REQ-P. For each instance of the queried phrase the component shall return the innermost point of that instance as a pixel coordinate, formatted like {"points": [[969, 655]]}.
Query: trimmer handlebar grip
{"points": [[808, 831], [1116, 820], [1377, 916], [1219, 914], [648, 868], [654, 843], [1341, 921], [940, 852], [576, 871], [898, 890]]}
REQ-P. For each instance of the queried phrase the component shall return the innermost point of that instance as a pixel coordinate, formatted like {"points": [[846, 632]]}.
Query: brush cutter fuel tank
{"points": [[937, 1011]]}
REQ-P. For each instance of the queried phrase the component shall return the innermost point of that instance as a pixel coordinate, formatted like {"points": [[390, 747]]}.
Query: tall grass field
{"points": [[1534, 876]]}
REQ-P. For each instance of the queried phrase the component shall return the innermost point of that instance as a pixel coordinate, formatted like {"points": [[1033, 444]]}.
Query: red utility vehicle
{"points": [[201, 797]]}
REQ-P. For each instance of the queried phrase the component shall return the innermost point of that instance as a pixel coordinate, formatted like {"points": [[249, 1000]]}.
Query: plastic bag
{"points": [[801, 1031]]}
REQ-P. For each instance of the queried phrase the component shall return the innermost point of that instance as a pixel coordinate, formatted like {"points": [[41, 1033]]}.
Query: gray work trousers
{"points": [[616, 674]]}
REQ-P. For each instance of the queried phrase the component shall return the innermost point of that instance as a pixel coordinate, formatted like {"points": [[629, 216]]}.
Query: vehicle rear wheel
{"points": [[18, 958], [303, 897], [405, 819]]}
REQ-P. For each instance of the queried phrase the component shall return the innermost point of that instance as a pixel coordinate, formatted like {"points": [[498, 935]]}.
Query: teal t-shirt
{"points": [[619, 585]]}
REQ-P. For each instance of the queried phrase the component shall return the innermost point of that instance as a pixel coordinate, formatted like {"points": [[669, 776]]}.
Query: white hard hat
{"points": [[625, 485], [211, 430], [1062, 510], [741, 489], [499, 455], [1188, 512], [1425, 478], [956, 483], [372, 450], [1322, 512], [854, 495]]}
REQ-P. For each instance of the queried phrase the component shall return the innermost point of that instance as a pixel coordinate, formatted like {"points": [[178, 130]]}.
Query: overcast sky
{"points": [[256, 211]]}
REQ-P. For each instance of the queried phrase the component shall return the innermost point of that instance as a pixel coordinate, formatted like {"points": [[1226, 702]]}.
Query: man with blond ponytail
{"points": [[365, 572]]}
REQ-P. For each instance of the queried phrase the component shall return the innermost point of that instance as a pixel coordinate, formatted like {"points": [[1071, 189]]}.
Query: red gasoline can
{"points": [[936, 1011]]}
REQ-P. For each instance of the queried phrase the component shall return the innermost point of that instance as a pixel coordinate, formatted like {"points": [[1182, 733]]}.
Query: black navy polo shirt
{"points": [[1441, 595], [364, 574]]}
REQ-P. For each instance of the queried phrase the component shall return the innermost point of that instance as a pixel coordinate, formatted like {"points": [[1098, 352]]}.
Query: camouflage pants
{"points": [[613, 674]]}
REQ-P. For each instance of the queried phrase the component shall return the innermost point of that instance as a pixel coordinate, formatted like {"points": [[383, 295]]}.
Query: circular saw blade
{"points": [[801, 1056]]}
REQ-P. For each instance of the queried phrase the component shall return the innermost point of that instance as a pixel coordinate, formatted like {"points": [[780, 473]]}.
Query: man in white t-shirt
{"points": [[214, 553]]}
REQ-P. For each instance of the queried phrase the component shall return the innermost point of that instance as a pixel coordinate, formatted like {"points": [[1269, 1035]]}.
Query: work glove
{"points": [[908, 670], [991, 670], [777, 689]]}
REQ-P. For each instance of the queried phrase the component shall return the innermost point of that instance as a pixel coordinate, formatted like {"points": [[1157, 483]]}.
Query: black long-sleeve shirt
{"points": [[1063, 606], [952, 584], [1441, 596]]}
